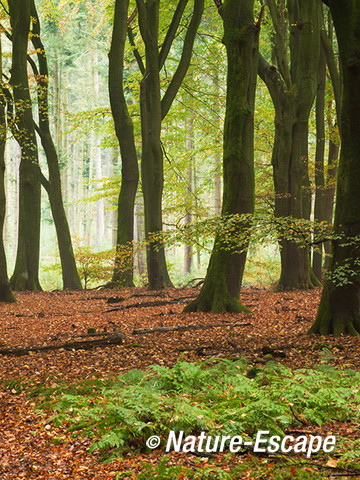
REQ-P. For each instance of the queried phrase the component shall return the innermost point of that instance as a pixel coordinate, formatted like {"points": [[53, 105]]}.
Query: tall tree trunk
{"points": [[153, 110], [292, 86], [217, 157], [123, 270], [339, 308], [139, 239], [70, 276], [320, 198], [330, 191], [189, 146], [333, 126], [6, 294], [26, 270], [221, 289], [152, 174]]}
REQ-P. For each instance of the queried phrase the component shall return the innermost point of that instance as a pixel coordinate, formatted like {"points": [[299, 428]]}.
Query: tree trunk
{"points": [[6, 294], [70, 276], [221, 289], [320, 199], [189, 146], [123, 270], [153, 110], [333, 125], [152, 175], [340, 302], [26, 270], [330, 192], [292, 87]]}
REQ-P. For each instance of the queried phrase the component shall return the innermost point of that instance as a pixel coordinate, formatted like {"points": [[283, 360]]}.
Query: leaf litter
{"points": [[32, 448]]}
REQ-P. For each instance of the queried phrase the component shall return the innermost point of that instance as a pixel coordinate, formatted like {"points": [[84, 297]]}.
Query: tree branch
{"points": [[132, 16], [184, 62], [3, 6], [170, 35], [218, 4], [280, 43], [135, 50], [45, 182], [333, 68], [258, 23], [272, 79]]}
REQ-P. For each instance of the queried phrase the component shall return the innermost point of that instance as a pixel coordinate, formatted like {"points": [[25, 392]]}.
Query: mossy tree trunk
{"points": [[154, 109], [292, 86], [6, 294], [25, 276], [221, 289], [123, 269], [339, 308], [70, 276]]}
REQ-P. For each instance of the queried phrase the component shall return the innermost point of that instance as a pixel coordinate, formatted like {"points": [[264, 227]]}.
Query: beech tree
{"points": [[123, 270], [221, 289], [25, 276], [70, 276], [339, 310], [154, 108], [6, 294], [325, 178], [292, 84]]}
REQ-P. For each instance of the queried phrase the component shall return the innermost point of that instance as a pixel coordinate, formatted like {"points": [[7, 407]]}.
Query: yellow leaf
{"points": [[332, 463]]}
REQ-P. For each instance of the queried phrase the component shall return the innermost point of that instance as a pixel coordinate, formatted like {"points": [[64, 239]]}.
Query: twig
{"points": [[258, 23], [132, 16], [296, 417]]}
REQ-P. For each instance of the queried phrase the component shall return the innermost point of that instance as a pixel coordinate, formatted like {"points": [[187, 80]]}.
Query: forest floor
{"points": [[278, 325]]}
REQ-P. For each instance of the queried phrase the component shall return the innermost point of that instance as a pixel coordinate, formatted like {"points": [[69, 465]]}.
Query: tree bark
{"points": [[123, 270], [221, 289], [70, 276], [25, 276], [340, 301]]}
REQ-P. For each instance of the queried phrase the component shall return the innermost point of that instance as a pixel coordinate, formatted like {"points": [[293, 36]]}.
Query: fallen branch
{"points": [[150, 304], [81, 345], [184, 328], [199, 281]]}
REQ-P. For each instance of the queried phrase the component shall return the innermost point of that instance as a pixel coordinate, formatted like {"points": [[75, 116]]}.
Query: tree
{"points": [[292, 85], [26, 270], [325, 195], [221, 289], [320, 199], [154, 108], [123, 275], [6, 294], [71, 279], [339, 308]]}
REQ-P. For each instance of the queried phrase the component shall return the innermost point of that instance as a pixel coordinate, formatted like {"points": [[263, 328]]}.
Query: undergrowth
{"points": [[220, 396]]}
